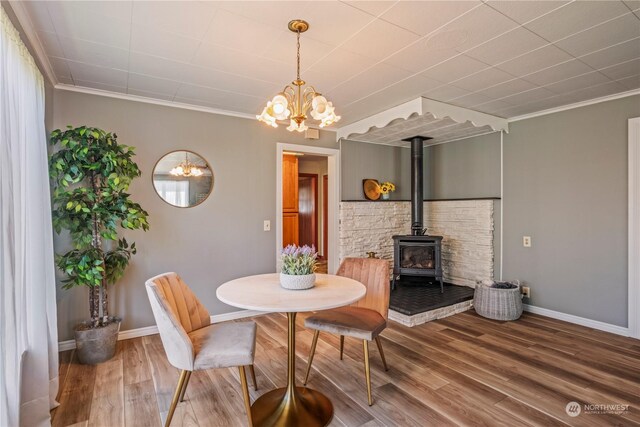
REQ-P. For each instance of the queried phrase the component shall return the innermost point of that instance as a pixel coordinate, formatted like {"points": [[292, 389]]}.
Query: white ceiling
{"points": [[505, 58]]}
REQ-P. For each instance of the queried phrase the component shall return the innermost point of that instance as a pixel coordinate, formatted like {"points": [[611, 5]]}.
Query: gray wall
{"points": [[220, 239], [361, 160], [566, 187], [468, 168]]}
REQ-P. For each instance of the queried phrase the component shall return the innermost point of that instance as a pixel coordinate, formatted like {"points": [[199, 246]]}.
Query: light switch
{"points": [[526, 241], [267, 225]]}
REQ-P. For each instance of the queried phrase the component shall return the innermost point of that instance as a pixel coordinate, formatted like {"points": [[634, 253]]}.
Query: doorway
{"points": [[308, 209], [307, 200], [325, 216]]}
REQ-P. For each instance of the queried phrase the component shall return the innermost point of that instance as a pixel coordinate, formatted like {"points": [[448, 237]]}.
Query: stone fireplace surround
{"points": [[467, 228]]}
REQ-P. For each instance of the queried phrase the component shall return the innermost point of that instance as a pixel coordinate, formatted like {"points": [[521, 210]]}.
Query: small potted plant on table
{"points": [[91, 173], [298, 267]]}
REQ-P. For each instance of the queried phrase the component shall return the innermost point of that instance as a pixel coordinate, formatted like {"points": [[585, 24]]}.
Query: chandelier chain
{"points": [[294, 101], [298, 55]]}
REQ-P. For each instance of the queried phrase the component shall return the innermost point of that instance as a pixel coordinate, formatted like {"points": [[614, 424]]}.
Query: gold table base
{"points": [[308, 408], [292, 406]]}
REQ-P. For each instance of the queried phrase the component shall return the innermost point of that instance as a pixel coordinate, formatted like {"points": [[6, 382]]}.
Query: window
{"points": [[174, 192]]}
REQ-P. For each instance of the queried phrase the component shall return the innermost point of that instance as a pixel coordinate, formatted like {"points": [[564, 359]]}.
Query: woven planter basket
{"points": [[498, 304]]}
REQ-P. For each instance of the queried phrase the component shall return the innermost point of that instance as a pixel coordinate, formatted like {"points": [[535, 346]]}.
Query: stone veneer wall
{"points": [[466, 226]]}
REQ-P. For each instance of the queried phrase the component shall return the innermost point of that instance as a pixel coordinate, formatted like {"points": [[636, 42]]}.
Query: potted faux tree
{"points": [[91, 173]]}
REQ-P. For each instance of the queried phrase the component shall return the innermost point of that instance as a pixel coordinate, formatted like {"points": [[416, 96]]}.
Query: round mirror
{"points": [[183, 179]]}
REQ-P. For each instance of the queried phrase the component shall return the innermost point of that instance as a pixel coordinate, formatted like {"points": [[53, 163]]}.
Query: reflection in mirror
{"points": [[183, 179]]}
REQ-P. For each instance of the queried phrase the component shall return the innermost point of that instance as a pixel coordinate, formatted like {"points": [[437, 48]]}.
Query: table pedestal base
{"points": [[305, 407]]}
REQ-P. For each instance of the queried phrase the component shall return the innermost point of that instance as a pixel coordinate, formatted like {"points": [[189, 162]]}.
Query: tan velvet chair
{"points": [[364, 319], [190, 340]]}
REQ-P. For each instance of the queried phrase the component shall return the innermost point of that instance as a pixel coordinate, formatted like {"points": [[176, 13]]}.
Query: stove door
{"points": [[417, 256]]}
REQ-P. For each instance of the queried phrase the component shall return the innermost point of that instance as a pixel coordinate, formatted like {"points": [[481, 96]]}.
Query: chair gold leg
{"points": [[245, 394], [384, 361], [176, 396], [367, 370], [341, 346], [253, 377], [313, 351], [184, 387]]}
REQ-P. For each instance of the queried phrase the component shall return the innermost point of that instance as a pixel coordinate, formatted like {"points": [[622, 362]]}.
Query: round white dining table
{"points": [[291, 405]]}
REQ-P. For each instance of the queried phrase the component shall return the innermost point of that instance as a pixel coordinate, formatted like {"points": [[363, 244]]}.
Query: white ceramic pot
{"points": [[304, 281]]}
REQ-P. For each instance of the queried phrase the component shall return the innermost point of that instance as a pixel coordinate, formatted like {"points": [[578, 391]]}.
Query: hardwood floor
{"points": [[463, 370]]}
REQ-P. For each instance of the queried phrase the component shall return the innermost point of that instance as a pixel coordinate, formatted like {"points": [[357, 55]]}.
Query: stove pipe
{"points": [[417, 190]]}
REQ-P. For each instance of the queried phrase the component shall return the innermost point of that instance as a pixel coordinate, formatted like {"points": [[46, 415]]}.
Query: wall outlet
{"points": [[267, 225], [526, 291], [526, 241]]}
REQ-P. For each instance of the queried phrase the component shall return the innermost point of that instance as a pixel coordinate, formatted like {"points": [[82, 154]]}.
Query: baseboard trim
{"points": [[589, 323], [152, 330]]}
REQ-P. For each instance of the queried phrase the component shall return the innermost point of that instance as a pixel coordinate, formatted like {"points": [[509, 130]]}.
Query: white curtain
{"points": [[175, 192], [28, 331]]}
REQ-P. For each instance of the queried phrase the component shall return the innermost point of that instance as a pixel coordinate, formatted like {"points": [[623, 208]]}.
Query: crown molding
{"points": [[143, 99], [165, 103], [575, 105], [22, 16]]}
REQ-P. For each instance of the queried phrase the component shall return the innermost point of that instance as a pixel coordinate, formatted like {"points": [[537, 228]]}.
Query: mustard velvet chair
{"points": [[364, 319], [190, 340]]}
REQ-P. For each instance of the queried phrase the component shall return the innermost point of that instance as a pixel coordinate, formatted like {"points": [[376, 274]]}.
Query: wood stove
{"points": [[417, 254]]}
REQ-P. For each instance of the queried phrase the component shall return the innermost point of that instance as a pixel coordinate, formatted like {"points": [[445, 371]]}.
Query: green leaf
{"points": [[80, 155]]}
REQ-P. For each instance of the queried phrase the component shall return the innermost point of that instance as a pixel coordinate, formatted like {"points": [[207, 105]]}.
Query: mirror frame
{"points": [[153, 184]]}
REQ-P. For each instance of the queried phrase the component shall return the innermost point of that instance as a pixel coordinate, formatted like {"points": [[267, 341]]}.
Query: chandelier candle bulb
{"points": [[294, 103], [186, 168]]}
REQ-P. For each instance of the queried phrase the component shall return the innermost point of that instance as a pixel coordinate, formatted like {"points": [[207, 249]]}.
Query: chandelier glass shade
{"points": [[294, 102], [186, 168]]}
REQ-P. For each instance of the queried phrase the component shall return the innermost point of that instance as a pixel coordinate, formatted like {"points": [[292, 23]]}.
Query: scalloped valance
{"points": [[422, 116]]}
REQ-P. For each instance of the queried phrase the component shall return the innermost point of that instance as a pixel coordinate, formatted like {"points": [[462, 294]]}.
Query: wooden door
{"points": [[308, 209], [325, 216], [290, 229], [289, 183]]}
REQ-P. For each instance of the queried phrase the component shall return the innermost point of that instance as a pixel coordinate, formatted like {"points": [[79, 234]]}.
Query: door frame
{"points": [[315, 205], [634, 227], [333, 163], [325, 202]]}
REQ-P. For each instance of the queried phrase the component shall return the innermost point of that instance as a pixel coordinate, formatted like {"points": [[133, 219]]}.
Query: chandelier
{"points": [[293, 102], [186, 168]]}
